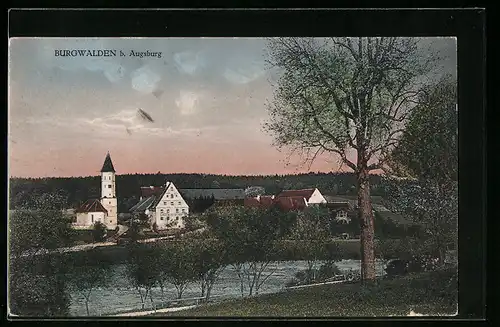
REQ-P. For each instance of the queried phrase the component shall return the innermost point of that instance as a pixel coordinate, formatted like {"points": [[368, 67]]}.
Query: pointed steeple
{"points": [[108, 165]]}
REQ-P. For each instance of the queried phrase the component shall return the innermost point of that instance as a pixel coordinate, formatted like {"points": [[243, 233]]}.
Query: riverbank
{"points": [[430, 293]]}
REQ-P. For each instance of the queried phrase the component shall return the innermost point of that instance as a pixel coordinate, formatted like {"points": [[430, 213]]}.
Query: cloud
{"points": [[244, 73], [114, 125], [145, 80], [188, 62], [187, 102]]}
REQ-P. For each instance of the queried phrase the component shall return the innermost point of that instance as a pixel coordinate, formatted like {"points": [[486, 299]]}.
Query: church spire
{"points": [[108, 165]]}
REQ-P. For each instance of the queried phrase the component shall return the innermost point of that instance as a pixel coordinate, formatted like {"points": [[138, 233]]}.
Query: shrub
{"points": [[99, 232]]}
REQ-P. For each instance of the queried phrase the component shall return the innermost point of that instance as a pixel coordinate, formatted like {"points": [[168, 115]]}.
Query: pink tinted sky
{"points": [[207, 98]]}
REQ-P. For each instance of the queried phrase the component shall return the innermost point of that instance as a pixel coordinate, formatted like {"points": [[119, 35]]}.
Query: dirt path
{"points": [[145, 313]]}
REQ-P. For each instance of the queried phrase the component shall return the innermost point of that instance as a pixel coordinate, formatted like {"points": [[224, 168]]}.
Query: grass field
{"points": [[426, 293]]}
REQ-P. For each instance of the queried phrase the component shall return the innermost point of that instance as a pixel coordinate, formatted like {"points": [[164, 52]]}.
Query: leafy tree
{"points": [[143, 270], [210, 259], [312, 227], [427, 158], [345, 96], [428, 149], [254, 191], [99, 232], [36, 281], [89, 271], [250, 236], [178, 265], [37, 286], [193, 222]]}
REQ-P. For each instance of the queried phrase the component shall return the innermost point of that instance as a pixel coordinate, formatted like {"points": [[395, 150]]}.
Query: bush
{"points": [[325, 271], [99, 232]]}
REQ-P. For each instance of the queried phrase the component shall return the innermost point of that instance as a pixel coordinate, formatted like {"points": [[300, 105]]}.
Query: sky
{"points": [[206, 96]]}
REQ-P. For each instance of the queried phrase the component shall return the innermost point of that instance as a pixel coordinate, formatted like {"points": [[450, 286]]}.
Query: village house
{"points": [[164, 206], [288, 200], [311, 195], [340, 208], [104, 210]]}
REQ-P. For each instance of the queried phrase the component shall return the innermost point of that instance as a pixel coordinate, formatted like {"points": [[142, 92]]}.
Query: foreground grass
{"points": [[426, 293]]}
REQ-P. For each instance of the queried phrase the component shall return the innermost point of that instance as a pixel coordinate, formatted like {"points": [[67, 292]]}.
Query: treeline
{"points": [[79, 189]]}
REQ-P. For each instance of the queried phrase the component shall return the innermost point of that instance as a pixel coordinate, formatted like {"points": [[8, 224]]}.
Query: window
{"points": [[168, 210], [171, 196], [92, 218], [175, 195], [109, 202], [164, 203], [171, 203], [176, 218], [179, 203], [183, 210], [161, 218], [341, 214], [109, 186], [177, 210], [161, 210], [110, 221]]}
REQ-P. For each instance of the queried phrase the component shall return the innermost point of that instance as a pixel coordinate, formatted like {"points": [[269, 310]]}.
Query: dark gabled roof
{"points": [[229, 202], [91, 206], [159, 197], [142, 205], [217, 193], [147, 191], [108, 165], [305, 193]]}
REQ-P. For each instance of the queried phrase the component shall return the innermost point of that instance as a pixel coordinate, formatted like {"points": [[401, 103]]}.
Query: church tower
{"points": [[108, 192]]}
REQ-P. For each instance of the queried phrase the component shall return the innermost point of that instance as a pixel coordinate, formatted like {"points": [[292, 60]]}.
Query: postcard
{"points": [[232, 177]]}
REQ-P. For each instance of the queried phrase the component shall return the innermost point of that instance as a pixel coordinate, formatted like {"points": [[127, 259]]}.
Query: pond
{"points": [[119, 296]]}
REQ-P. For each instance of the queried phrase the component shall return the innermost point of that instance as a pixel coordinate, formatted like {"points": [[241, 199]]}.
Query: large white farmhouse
{"points": [[105, 210], [164, 206]]}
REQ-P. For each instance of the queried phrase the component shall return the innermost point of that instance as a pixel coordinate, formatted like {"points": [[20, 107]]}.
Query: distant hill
{"points": [[79, 189]]}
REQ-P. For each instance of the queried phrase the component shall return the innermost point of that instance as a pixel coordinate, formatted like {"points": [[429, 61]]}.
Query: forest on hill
{"points": [[75, 190]]}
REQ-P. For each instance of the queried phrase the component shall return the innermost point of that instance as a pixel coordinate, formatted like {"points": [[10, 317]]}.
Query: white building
{"points": [[164, 206], [89, 213], [105, 210], [108, 192]]}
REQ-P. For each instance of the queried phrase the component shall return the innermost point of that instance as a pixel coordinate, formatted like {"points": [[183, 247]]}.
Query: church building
{"points": [[104, 210]]}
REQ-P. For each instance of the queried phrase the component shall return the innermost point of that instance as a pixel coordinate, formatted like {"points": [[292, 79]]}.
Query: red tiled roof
{"points": [[91, 206], [285, 203], [147, 191], [306, 193], [291, 203], [267, 200], [251, 202]]}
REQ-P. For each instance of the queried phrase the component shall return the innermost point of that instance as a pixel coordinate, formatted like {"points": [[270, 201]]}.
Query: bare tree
{"points": [[345, 96]]}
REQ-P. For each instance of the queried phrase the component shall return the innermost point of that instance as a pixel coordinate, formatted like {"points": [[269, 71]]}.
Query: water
{"points": [[119, 296]]}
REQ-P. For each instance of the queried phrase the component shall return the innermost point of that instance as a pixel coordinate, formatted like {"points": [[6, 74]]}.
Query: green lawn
{"points": [[426, 293]]}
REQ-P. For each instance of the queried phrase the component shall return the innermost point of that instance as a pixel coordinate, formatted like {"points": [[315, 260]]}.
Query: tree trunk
{"points": [[209, 290], [87, 306], [151, 299], [366, 222], [203, 284]]}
